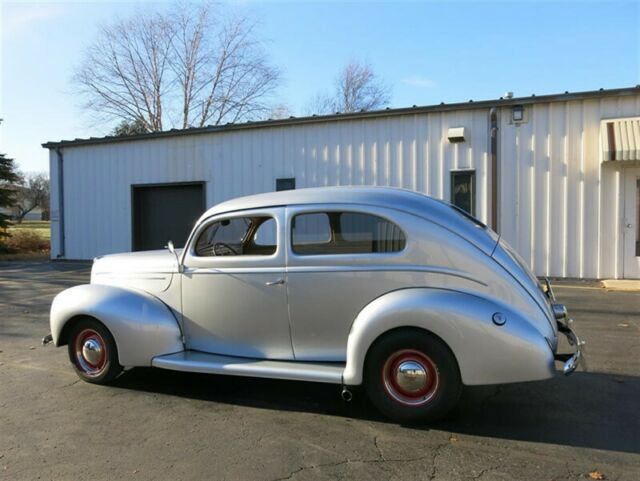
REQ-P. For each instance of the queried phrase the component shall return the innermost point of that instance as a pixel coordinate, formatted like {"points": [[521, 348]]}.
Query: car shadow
{"points": [[591, 410]]}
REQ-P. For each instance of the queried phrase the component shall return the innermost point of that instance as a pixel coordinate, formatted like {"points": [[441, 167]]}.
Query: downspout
{"points": [[61, 202], [493, 154]]}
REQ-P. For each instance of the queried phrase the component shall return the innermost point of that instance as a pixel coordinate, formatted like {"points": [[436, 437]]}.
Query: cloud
{"points": [[20, 18], [418, 81]]}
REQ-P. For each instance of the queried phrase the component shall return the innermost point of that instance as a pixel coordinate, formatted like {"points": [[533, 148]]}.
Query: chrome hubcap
{"points": [[411, 376], [92, 351], [91, 354]]}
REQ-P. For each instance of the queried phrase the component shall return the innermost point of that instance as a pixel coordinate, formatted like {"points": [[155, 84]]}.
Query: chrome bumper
{"points": [[571, 361]]}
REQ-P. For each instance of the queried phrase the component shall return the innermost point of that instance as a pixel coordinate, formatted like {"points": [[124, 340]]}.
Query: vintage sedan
{"points": [[386, 288]]}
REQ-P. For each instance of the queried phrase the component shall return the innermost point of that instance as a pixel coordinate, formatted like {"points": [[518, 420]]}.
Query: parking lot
{"points": [[154, 424]]}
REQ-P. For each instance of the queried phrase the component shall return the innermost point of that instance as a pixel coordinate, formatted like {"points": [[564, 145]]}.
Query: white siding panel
{"points": [[559, 206], [409, 151]]}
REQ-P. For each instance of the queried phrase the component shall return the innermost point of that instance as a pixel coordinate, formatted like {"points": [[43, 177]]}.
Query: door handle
{"points": [[274, 283]]}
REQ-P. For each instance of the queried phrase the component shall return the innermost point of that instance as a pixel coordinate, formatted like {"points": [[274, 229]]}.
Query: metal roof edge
{"points": [[415, 110]]}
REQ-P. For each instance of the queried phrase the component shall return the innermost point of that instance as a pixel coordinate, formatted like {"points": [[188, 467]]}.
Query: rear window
{"points": [[321, 233]]}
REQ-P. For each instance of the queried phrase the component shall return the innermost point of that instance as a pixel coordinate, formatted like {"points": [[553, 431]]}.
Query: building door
{"points": [[631, 226], [165, 212]]}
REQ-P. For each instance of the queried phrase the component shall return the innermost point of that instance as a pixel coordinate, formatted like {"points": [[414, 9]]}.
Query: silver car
{"points": [[383, 288]]}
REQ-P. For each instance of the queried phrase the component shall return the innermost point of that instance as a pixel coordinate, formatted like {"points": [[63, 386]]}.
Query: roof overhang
{"points": [[415, 110]]}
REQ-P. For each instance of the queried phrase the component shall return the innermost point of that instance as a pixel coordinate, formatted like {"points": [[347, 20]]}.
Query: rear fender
{"points": [[142, 326], [486, 353]]}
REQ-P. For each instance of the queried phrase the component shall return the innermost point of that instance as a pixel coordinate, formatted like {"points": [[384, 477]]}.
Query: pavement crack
{"points": [[70, 384], [434, 458], [484, 471], [380, 453], [382, 461]]}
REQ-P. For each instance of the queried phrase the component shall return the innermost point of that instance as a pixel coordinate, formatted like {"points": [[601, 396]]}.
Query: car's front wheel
{"points": [[412, 376], [93, 352]]}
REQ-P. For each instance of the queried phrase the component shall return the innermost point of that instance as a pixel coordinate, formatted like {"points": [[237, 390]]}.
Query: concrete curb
{"points": [[621, 284]]}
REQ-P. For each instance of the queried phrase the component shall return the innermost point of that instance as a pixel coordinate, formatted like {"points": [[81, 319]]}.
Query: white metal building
{"points": [[558, 176]]}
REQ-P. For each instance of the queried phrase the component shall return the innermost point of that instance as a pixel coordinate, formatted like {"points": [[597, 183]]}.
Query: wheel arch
{"points": [[141, 325], [63, 337], [463, 322], [419, 330]]}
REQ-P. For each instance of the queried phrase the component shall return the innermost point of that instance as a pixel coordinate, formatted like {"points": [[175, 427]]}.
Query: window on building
{"points": [[238, 236], [463, 186], [345, 233], [285, 184]]}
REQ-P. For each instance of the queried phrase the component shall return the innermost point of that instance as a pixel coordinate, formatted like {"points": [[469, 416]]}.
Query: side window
{"points": [[238, 236], [311, 229], [345, 233], [266, 235]]}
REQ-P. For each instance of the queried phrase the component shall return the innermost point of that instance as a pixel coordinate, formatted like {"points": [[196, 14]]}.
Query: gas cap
{"points": [[499, 319]]}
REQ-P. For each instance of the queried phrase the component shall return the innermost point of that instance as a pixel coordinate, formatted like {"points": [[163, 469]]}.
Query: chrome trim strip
{"points": [[309, 269], [388, 268], [234, 270]]}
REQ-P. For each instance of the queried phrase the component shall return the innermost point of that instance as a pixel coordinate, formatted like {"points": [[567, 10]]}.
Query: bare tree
{"points": [[189, 66], [357, 88], [31, 191], [279, 111], [320, 103]]}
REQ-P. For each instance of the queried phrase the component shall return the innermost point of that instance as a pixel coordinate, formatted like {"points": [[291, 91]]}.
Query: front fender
{"points": [[141, 325], [486, 353]]}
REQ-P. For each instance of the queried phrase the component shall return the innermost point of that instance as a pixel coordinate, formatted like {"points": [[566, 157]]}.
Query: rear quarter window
{"points": [[345, 232]]}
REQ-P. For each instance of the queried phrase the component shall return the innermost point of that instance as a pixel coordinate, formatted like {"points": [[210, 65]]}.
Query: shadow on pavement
{"points": [[592, 410]]}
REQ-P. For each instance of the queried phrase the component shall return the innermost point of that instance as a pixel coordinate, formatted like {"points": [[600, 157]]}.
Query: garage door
{"points": [[165, 212]]}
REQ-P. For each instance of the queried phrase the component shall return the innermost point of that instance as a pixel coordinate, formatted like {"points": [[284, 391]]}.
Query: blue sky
{"points": [[428, 52]]}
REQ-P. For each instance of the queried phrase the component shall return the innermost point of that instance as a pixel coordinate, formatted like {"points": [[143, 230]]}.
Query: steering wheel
{"points": [[223, 249]]}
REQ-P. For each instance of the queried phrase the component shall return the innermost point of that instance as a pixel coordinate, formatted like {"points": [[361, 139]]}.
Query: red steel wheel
{"points": [[410, 377], [93, 352]]}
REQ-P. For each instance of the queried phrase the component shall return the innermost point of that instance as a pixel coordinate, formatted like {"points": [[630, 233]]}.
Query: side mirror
{"points": [[172, 249]]}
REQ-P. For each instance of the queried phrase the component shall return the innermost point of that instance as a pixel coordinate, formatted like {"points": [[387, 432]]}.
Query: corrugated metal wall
{"points": [[558, 206], [409, 151]]}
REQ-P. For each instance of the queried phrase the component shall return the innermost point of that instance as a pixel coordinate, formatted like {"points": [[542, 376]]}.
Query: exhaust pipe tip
{"points": [[346, 394]]}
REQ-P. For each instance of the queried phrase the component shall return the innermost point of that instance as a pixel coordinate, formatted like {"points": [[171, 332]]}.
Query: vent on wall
{"points": [[456, 134], [621, 139]]}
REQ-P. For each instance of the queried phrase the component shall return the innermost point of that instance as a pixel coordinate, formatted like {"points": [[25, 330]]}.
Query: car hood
{"points": [[158, 261]]}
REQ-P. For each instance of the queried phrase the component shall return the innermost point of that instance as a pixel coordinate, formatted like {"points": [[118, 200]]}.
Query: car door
{"points": [[234, 298], [340, 258]]}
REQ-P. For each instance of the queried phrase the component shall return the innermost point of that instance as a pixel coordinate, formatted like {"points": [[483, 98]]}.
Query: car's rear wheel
{"points": [[93, 352], [412, 376]]}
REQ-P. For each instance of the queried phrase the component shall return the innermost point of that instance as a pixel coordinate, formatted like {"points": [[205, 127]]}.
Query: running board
{"points": [[195, 361]]}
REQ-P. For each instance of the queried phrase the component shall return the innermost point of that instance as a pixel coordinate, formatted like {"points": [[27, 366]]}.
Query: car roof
{"points": [[382, 196], [388, 197]]}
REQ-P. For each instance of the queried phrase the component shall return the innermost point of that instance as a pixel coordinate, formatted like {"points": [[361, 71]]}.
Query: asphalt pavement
{"points": [[153, 424]]}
